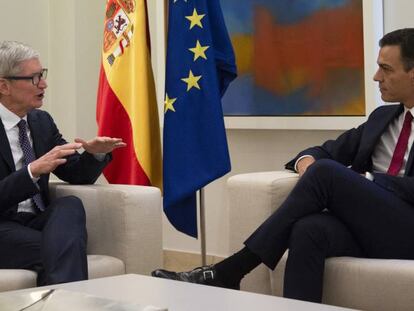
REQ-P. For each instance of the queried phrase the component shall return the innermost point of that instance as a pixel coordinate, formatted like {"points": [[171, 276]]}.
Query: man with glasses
{"points": [[36, 233]]}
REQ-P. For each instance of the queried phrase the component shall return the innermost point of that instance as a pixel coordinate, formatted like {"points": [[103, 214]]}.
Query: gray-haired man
{"points": [[48, 237]]}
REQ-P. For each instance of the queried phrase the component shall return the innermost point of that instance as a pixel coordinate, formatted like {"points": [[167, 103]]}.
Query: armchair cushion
{"points": [[123, 221], [361, 283], [124, 231], [99, 266], [11, 279]]}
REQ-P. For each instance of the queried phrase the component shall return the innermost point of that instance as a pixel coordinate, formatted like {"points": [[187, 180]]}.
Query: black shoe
{"points": [[206, 275]]}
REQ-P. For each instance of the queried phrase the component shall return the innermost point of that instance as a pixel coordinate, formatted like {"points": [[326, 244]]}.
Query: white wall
{"points": [[76, 29], [398, 14], [26, 21], [69, 34]]}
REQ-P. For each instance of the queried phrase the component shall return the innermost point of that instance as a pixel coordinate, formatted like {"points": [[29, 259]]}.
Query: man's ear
{"points": [[4, 87]]}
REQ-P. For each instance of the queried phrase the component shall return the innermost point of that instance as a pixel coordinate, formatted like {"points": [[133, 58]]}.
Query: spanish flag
{"points": [[126, 105]]}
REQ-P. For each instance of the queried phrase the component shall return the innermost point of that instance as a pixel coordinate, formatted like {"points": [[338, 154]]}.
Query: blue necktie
{"points": [[29, 157]]}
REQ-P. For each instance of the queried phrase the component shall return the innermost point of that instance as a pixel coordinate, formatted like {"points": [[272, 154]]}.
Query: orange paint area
{"points": [[311, 53]]}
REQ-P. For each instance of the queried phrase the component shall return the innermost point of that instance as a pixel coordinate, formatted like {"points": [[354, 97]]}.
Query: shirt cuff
{"points": [[34, 179], [300, 158], [369, 176]]}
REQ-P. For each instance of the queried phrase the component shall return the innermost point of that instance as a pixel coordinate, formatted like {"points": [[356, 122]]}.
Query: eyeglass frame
{"points": [[40, 75]]}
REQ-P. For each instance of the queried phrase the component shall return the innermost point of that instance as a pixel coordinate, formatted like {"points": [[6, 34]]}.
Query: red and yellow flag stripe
{"points": [[127, 106]]}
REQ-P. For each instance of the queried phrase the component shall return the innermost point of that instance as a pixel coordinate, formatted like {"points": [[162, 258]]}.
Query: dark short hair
{"points": [[404, 38]]}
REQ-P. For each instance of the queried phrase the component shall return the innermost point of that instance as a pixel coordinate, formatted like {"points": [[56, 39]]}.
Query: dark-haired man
{"points": [[355, 196]]}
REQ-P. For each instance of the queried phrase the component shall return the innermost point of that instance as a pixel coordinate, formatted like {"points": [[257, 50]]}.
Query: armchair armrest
{"points": [[123, 221], [252, 198]]}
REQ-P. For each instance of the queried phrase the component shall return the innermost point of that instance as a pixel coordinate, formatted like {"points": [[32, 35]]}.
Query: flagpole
{"points": [[202, 227]]}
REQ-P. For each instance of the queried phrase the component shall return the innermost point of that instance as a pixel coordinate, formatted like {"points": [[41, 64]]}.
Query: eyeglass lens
{"points": [[41, 75]]}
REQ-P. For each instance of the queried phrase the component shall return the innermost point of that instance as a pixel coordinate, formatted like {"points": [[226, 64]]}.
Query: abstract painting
{"points": [[296, 58]]}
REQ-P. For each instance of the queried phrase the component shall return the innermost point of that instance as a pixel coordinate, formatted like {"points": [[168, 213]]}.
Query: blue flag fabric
{"points": [[200, 66]]}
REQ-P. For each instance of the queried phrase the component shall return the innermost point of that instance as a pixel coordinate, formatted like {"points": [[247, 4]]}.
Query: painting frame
{"points": [[372, 32]]}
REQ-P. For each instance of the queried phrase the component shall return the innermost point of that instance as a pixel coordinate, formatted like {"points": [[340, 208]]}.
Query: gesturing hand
{"points": [[55, 157], [101, 144]]}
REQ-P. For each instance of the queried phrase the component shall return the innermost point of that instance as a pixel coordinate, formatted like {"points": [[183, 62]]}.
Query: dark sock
{"points": [[232, 269]]}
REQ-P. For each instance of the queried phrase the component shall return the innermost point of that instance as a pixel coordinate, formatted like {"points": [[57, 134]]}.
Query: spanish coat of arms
{"points": [[118, 27]]}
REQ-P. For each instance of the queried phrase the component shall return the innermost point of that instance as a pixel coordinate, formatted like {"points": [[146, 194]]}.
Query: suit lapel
{"points": [[375, 129], [5, 150]]}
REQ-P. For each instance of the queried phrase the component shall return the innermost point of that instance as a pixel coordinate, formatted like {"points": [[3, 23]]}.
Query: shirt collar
{"points": [[8, 118], [410, 110]]}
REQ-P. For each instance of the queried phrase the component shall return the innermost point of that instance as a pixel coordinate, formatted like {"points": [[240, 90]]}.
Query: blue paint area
{"points": [[243, 97], [292, 11], [238, 15]]}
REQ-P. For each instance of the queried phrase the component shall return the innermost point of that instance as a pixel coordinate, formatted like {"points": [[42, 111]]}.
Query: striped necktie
{"points": [[29, 156]]}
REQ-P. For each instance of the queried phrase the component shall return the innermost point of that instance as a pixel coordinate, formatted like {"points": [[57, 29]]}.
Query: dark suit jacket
{"points": [[16, 186], [354, 148]]}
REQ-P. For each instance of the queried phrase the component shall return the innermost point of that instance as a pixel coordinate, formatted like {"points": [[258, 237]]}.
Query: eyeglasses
{"points": [[35, 77]]}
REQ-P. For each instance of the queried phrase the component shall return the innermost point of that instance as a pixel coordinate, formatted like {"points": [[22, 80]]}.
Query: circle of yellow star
{"points": [[195, 19], [192, 81], [199, 51], [169, 103]]}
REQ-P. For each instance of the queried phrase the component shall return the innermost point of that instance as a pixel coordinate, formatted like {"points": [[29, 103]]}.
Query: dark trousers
{"points": [[53, 243], [332, 211]]}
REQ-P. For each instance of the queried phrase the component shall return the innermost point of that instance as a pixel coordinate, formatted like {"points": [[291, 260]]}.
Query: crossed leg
{"points": [[364, 220]]}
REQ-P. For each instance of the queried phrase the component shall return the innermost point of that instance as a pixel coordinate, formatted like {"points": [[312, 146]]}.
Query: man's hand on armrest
{"points": [[303, 163]]}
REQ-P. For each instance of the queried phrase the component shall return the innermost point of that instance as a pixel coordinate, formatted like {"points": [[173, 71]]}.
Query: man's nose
{"points": [[377, 76], [42, 84]]}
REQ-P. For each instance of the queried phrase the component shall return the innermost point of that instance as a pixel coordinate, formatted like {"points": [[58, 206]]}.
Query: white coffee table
{"points": [[180, 296]]}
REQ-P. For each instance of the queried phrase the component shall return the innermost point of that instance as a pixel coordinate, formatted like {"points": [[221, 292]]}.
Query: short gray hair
{"points": [[12, 54]]}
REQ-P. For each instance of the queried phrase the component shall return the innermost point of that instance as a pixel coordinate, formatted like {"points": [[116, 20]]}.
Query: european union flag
{"points": [[200, 66]]}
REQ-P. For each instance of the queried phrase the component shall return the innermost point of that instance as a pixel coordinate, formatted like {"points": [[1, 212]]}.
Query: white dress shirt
{"points": [[10, 121], [384, 150]]}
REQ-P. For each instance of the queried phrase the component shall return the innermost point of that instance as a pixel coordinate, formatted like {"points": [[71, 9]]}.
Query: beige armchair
{"points": [[124, 231], [366, 284]]}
